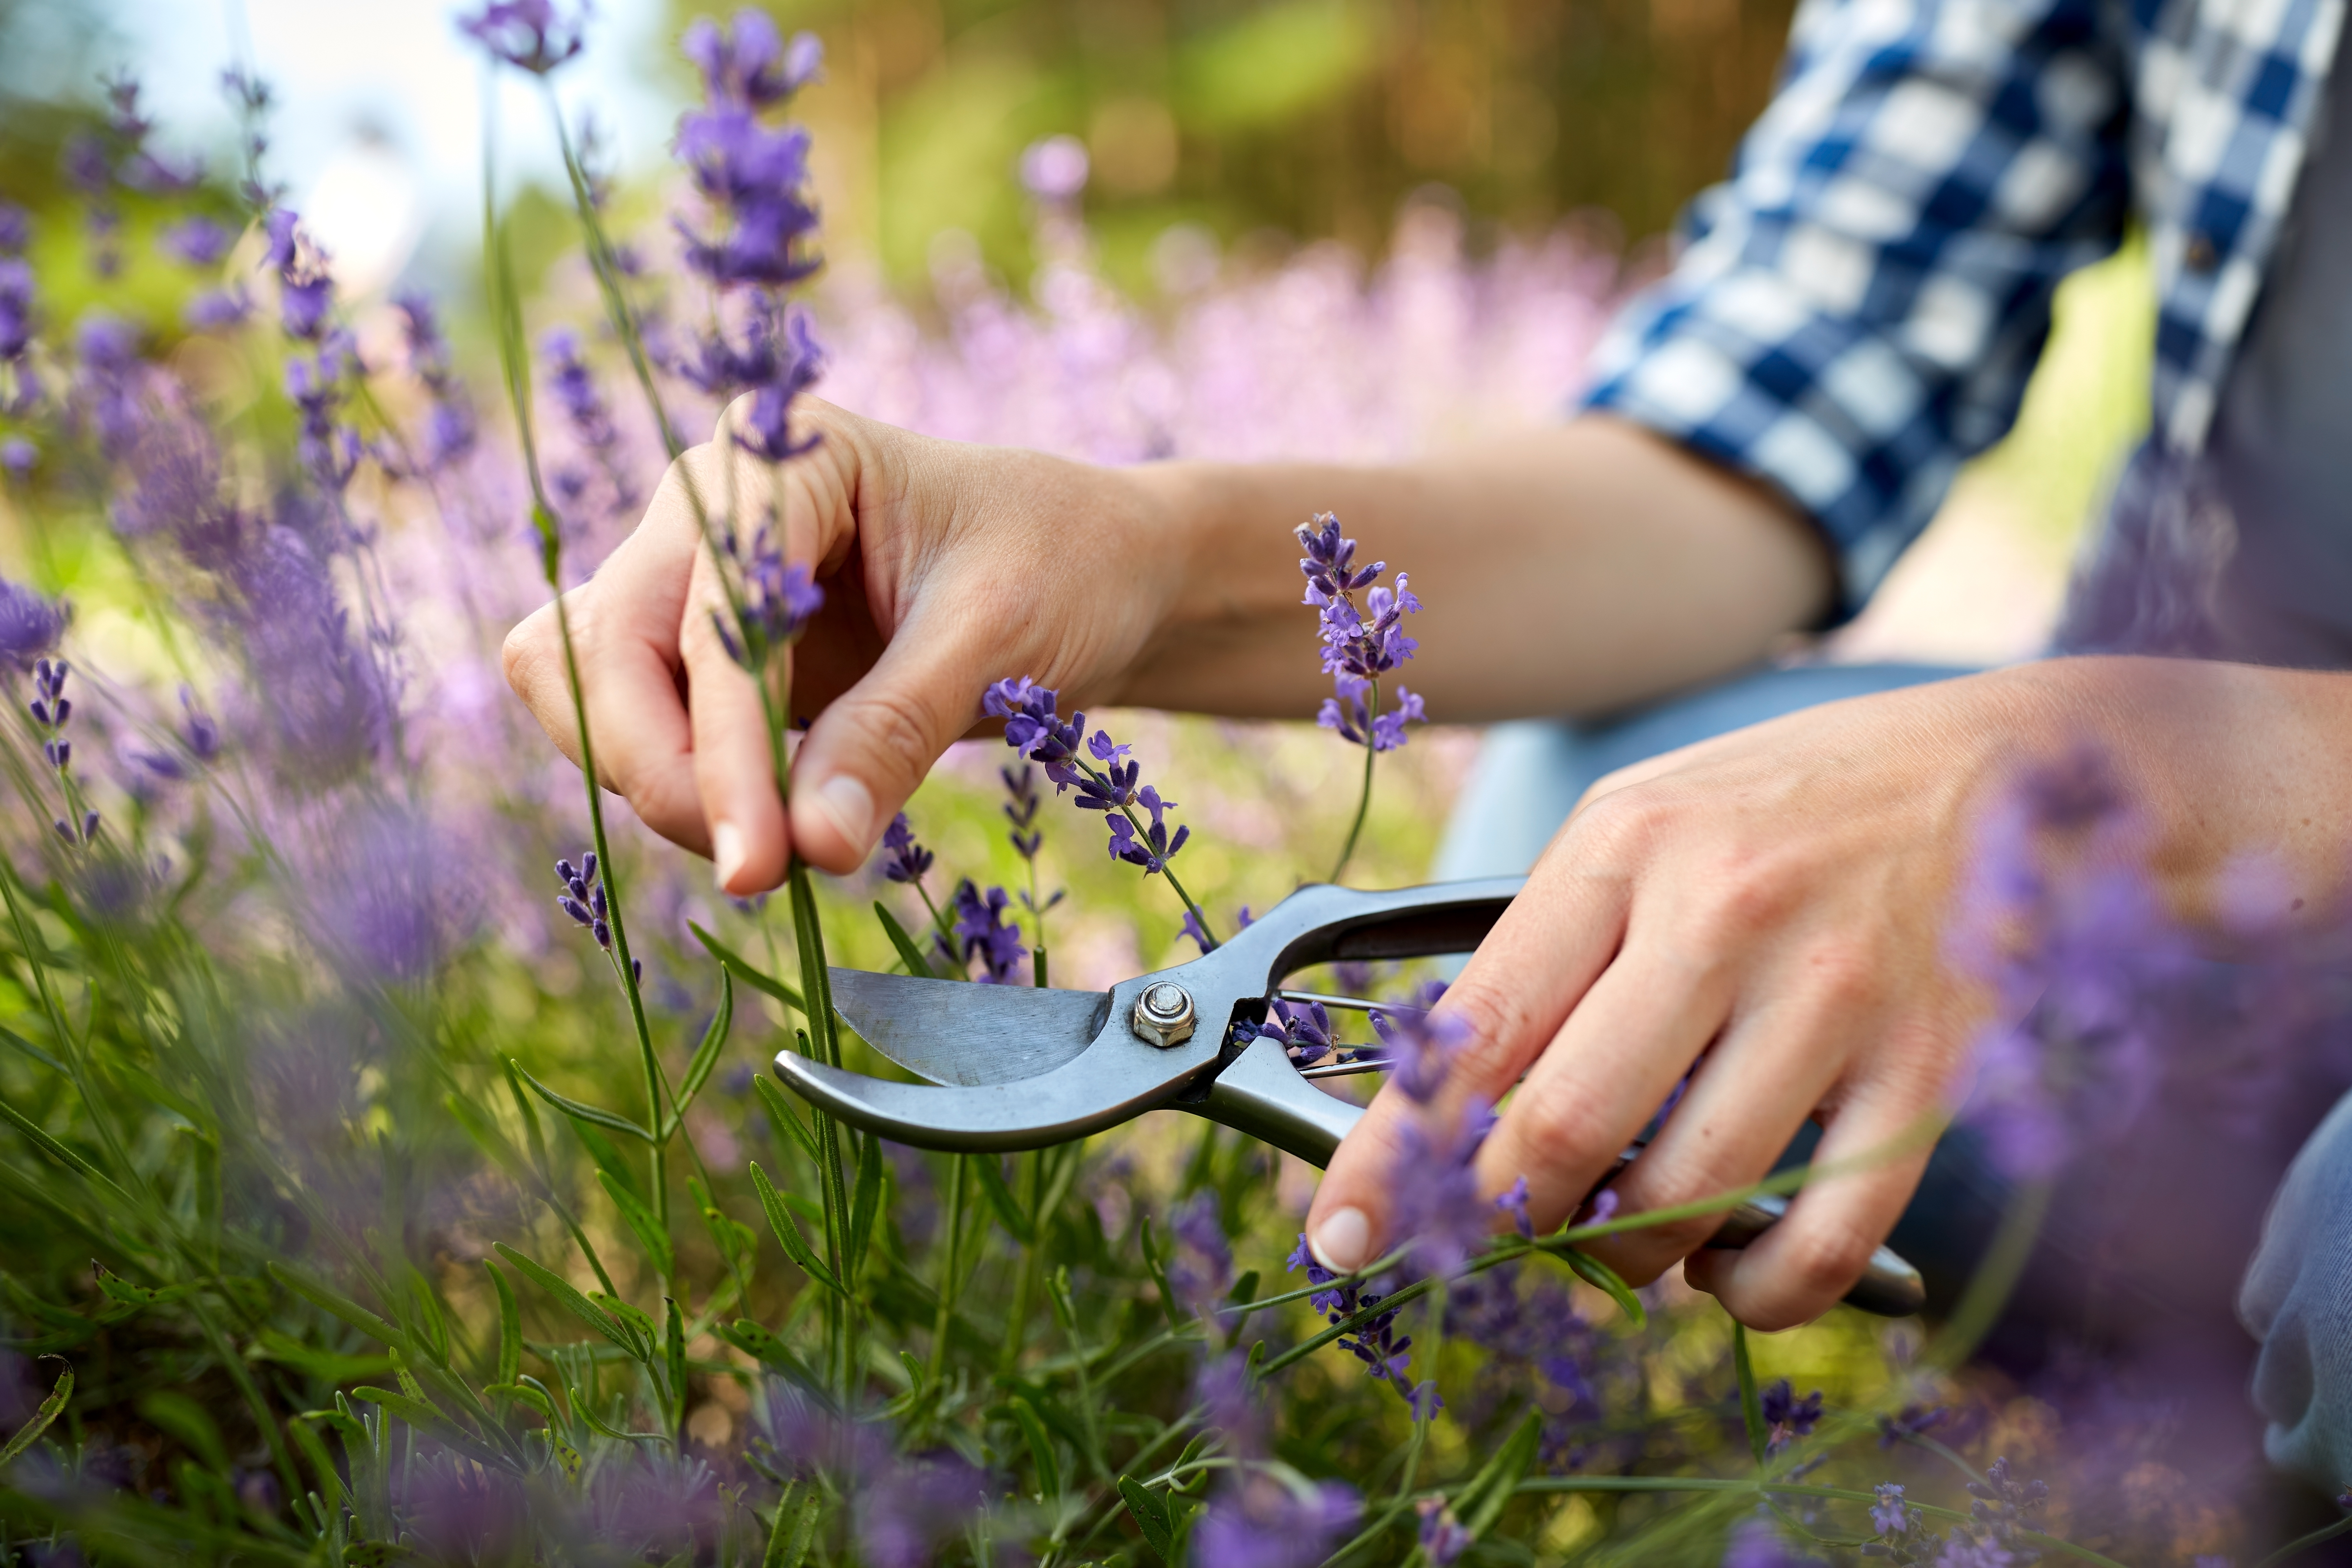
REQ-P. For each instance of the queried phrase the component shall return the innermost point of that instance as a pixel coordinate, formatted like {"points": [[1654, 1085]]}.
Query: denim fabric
{"points": [[2297, 1301]]}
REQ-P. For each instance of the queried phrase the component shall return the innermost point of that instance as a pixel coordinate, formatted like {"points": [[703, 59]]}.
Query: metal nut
{"points": [[1164, 1015]]}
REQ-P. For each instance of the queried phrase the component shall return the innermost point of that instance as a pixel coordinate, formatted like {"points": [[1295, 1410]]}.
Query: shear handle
{"points": [[1320, 923], [1260, 1093]]}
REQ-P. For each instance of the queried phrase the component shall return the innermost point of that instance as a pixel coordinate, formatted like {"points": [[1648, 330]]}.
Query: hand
{"points": [[945, 567], [1764, 911]]}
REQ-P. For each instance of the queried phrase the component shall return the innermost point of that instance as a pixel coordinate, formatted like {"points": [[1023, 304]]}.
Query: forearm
{"points": [[1573, 570]]}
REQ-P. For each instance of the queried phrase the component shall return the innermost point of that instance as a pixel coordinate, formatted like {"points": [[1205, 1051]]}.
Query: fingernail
{"points": [[1340, 1243], [726, 852], [848, 807]]}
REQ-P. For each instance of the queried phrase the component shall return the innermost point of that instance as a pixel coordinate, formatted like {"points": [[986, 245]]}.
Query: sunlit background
{"points": [[1216, 128]]}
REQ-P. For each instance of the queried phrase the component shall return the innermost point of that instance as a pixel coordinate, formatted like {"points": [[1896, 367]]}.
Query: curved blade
{"points": [[956, 1032]]}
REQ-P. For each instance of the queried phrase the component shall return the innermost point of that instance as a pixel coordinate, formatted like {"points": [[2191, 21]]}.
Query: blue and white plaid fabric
{"points": [[1859, 306]]}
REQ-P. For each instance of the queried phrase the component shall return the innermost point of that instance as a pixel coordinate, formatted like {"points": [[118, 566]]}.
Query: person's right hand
{"points": [[945, 566]]}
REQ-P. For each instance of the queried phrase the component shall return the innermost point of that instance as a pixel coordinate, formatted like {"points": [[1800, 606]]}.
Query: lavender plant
{"points": [[347, 1224]]}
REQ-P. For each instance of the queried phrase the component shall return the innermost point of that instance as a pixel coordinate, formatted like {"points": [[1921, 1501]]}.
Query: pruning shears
{"points": [[1010, 1067]]}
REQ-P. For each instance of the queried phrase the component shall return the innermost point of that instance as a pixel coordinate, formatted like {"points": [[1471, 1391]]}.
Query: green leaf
{"points": [[579, 1306], [32, 1051], [1751, 1406], [416, 1412], [796, 1519], [603, 1153], [335, 1304], [788, 1231], [1592, 1272], [529, 1115], [579, 1111], [1041, 1449], [529, 1393], [587, 1412], [1000, 1199], [642, 1224], [706, 1054], [30, 1432], [509, 1326], [1481, 1502], [780, 1113], [865, 1203], [327, 1366], [59, 1152], [740, 968], [175, 1412], [1159, 1277], [755, 1340], [917, 964], [1151, 1516], [322, 1464]]}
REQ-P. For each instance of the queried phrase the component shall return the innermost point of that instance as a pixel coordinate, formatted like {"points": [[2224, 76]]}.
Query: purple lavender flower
{"points": [[219, 310], [583, 897], [1418, 1047], [1021, 810], [1374, 1341], [318, 385], [108, 382], [306, 287], [15, 229], [30, 624], [1756, 1544], [2088, 965], [1056, 169], [747, 64], [533, 35], [982, 931], [2004, 1502], [1303, 1029], [197, 241], [18, 456], [16, 308], [1890, 1515], [1257, 1522], [1202, 1268], [450, 430], [1441, 1214], [754, 176], [51, 708], [1359, 645], [779, 600], [1033, 728], [1444, 1537], [1909, 1422], [586, 412], [1787, 1417], [907, 860]]}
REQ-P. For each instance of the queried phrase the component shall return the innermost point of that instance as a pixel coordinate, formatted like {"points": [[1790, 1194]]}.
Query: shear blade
{"points": [[957, 1032]]}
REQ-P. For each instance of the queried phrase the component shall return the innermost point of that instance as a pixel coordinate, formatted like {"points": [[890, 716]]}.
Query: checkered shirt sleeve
{"points": [[1858, 307]]}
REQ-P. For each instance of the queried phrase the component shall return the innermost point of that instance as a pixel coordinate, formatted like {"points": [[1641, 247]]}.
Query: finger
{"points": [[1749, 1096], [873, 744], [1798, 1269], [1615, 1060], [624, 628], [1510, 1001], [733, 766]]}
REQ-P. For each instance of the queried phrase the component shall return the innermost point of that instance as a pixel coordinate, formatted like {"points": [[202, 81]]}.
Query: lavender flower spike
{"points": [[907, 860], [529, 35], [30, 622], [583, 897], [779, 599]]}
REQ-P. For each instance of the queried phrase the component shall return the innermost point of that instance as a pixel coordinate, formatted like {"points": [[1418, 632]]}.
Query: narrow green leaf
{"points": [[706, 1054], [322, 1464], [602, 1151], [796, 1518], [57, 1151], [1159, 1277], [587, 1412], [755, 1340], [529, 1115], [416, 1412], [579, 1111], [509, 1326], [1592, 1272], [30, 1432], [741, 967], [1000, 1199], [579, 1306], [780, 1113], [788, 1231], [1151, 1516], [1041, 1449], [529, 1393], [32, 1051], [865, 1203], [335, 1304], [1751, 1406], [642, 1224], [917, 964], [1481, 1502]]}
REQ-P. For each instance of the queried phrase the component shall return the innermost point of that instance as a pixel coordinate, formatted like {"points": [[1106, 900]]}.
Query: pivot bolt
{"points": [[1164, 1015]]}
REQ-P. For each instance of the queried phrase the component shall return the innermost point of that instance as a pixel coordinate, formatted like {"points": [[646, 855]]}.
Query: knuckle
{"points": [[1495, 1021], [898, 725], [1621, 824], [1822, 1260], [525, 656], [1557, 1122]]}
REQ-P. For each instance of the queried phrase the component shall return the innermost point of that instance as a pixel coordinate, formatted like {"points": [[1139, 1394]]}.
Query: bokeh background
{"points": [[1238, 129]]}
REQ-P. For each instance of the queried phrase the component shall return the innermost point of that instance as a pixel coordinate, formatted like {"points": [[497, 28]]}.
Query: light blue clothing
{"points": [[2298, 1293]]}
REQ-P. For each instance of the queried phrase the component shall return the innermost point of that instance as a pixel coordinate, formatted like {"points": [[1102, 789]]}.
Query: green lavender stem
{"points": [[1363, 798]]}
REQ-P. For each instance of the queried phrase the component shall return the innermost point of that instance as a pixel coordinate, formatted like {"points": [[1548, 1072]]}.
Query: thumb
{"points": [[875, 742]]}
